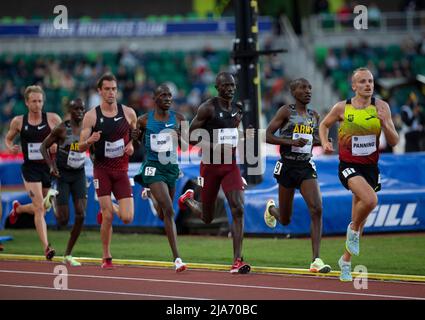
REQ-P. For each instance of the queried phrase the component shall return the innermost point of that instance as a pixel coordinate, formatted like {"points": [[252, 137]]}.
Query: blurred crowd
{"points": [[190, 76], [395, 69]]}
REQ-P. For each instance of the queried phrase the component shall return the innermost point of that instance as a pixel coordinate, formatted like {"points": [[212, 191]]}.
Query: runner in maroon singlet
{"points": [[221, 118], [106, 131]]}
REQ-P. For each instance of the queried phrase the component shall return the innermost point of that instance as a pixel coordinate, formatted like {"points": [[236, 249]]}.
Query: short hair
{"points": [[33, 89], [161, 87], [76, 102], [105, 77], [359, 70], [295, 83], [223, 74]]}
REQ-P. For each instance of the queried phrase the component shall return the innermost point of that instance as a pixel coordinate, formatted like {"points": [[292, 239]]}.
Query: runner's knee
{"points": [[285, 217], [38, 209], [370, 201], [107, 217], [315, 211], [79, 218], [127, 219], [167, 211], [237, 211]]}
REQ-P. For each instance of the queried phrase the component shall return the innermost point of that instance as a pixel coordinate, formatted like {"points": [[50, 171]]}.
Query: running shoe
{"points": [[70, 260], [345, 270], [319, 266], [187, 195], [352, 244], [240, 267], [13, 215], [99, 217], [268, 218], [47, 201], [107, 263], [146, 193], [179, 265], [49, 252], [244, 183]]}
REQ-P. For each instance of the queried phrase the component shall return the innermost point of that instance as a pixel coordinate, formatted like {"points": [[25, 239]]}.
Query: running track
{"points": [[35, 280]]}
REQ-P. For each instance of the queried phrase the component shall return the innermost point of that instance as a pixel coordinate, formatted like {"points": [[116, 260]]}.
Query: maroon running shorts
{"points": [[107, 181], [214, 175]]}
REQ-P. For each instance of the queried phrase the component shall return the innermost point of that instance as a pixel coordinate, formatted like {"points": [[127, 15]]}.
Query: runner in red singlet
{"points": [[106, 131]]}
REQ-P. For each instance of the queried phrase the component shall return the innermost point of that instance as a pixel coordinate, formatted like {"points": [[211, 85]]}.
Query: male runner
{"points": [[298, 127], [362, 118], [106, 131], [69, 171], [160, 170], [33, 128], [221, 118]]}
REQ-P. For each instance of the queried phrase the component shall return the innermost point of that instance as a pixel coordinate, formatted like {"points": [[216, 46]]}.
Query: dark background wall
{"points": [[95, 8]]}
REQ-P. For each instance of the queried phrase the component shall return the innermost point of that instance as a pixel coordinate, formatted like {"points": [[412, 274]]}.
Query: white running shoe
{"points": [[179, 265], [47, 201], [268, 218]]}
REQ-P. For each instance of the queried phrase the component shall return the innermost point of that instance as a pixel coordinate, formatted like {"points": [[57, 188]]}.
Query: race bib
{"points": [[114, 149], [34, 151], [76, 159], [200, 181], [307, 147], [150, 171], [277, 168], [363, 145], [228, 136], [161, 142]]}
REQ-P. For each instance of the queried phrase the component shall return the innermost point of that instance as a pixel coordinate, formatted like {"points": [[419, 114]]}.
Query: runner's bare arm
{"points": [[14, 129], [335, 115], [182, 132], [131, 117], [87, 138], [387, 124], [279, 120], [316, 137], [137, 134], [53, 119], [57, 136], [204, 113]]}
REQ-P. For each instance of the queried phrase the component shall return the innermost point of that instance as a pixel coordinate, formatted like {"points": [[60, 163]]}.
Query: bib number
{"points": [[114, 149], [363, 145], [161, 142], [307, 147], [200, 181], [278, 168], [150, 171], [76, 159], [34, 151], [228, 136]]}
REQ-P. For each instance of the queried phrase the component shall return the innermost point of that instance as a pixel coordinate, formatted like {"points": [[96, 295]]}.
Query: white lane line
{"points": [[102, 292], [221, 285]]}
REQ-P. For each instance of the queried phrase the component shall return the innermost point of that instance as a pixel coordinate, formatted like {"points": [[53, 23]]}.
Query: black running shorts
{"points": [[291, 173], [72, 182], [38, 172], [368, 171]]}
